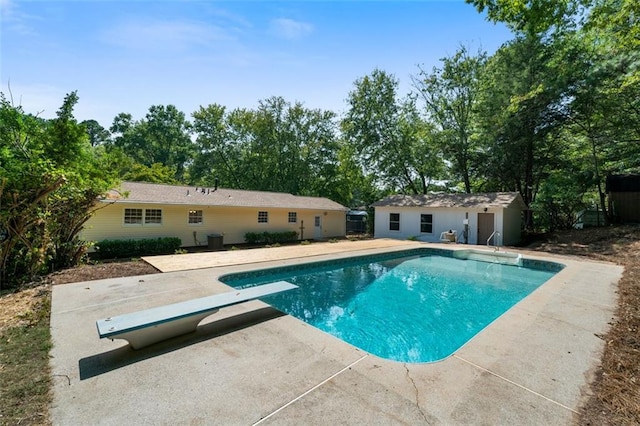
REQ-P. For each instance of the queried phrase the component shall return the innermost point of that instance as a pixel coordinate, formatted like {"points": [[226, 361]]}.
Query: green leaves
{"points": [[277, 147], [392, 143], [163, 136], [50, 179]]}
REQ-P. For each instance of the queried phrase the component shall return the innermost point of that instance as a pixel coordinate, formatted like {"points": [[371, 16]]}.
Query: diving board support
{"points": [[144, 328]]}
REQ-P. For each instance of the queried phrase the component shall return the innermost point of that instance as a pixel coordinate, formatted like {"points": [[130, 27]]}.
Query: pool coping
{"points": [[250, 365]]}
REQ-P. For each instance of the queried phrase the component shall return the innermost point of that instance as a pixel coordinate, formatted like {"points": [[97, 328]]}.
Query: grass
{"points": [[25, 376]]}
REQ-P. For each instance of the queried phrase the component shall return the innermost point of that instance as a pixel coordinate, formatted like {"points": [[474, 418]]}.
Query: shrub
{"points": [[111, 249], [252, 237], [270, 238]]}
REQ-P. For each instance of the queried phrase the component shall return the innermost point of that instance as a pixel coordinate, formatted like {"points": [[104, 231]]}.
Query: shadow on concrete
{"points": [[105, 362]]}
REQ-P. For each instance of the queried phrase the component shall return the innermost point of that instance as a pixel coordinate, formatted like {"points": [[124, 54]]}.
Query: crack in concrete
{"points": [[422, 413]]}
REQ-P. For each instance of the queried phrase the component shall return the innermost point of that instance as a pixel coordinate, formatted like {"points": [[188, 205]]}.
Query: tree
{"points": [[450, 94], [519, 111], [50, 180], [98, 135], [529, 17], [278, 147], [163, 136], [390, 139]]}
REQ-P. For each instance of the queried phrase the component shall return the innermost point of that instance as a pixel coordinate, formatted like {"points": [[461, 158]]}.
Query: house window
{"points": [[293, 217], [133, 216], [263, 217], [195, 217], [153, 216], [426, 223], [394, 221]]}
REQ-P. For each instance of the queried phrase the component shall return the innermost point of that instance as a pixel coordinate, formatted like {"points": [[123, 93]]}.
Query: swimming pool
{"points": [[417, 305]]}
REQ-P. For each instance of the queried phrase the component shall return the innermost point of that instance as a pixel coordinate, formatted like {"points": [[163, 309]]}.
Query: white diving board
{"points": [[144, 328]]}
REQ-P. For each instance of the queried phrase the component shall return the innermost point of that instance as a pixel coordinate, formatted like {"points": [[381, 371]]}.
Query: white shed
{"points": [[494, 218]]}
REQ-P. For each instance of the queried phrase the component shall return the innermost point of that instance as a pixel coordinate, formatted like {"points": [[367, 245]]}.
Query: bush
{"points": [[270, 237], [111, 249], [252, 237]]}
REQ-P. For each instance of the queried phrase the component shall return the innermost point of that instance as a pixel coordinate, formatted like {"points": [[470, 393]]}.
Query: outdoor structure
{"points": [[624, 198], [356, 222], [463, 218], [145, 210], [590, 217]]}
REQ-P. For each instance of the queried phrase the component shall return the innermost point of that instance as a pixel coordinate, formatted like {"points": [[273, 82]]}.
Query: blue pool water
{"points": [[419, 307]]}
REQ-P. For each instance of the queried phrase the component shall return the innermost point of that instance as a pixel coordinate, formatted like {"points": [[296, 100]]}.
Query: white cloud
{"points": [[14, 19], [290, 29], [164, 35]]}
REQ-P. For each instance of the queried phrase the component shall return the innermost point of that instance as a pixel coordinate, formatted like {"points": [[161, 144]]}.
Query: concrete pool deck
{"points": [[249, 364]]}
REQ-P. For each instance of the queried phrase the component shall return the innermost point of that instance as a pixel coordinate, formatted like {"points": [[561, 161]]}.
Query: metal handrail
{"points": [[496, 233]]}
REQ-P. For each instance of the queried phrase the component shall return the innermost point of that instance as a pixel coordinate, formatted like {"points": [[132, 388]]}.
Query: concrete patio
{"points": [[249, 364]]}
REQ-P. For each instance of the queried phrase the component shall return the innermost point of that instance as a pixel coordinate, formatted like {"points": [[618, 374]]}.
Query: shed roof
{"points": [[152, 193], [481, 200], [623, 183]]}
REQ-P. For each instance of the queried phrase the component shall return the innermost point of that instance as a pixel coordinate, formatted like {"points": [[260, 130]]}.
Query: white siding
{"points": [[445, 219]]}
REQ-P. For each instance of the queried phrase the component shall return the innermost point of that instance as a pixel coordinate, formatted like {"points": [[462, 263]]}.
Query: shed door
{"points": [[317, 228], [485, 228]]}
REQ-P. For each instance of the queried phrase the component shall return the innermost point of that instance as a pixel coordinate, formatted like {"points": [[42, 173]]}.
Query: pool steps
{"points": [[501, 257]]}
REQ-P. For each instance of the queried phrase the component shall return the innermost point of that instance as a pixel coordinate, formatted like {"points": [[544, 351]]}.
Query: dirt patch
{"points": [[18, 307], [101, 271]]}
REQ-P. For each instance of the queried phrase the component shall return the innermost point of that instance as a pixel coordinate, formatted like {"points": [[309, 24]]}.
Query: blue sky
{"points": [[124, 56]]}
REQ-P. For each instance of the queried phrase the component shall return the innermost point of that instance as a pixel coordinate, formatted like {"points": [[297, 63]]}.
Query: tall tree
{"points": [[530, 17], [450, 94], [50, 179], [520, 109], [277, 147], [98, 135], [390, 139], [163, 136]]}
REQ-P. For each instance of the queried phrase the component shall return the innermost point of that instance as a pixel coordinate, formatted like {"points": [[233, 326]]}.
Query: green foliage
{"points": [[98, 135], [450, 95], [50, 179], [163, 136], [270, 237], [533, 17], [156, 173], [118, 249], [279, 147], [394, 145]]}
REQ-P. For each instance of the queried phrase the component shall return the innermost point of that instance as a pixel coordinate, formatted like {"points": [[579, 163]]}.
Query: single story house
{"points": [[464, 218], [146, 210]]}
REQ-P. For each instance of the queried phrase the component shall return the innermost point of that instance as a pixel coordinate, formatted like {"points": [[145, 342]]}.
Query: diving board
{"points": [[144, 328]]}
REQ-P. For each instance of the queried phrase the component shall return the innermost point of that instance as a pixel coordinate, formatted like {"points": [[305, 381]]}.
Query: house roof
{"points": [[489, 200], [152, 193]]}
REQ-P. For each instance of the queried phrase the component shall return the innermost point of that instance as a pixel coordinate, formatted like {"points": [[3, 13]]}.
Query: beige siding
{"points": [[232, 222]]}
